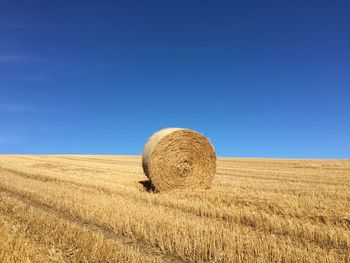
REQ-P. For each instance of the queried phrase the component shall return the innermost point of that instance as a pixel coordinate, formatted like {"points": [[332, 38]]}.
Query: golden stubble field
{"points": [[97, 209]]}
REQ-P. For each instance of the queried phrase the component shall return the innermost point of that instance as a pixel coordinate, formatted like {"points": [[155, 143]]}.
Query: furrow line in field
{"points": [[320, 234], [90, 226], [70, 241], [75, 182], [147, 237], [126, 163], [136, 161], [283, 180], [238, 214], [287, 170], [60, 163], [227, 200], [291, 174], [39, 177], [239, 219], [292, 191]]}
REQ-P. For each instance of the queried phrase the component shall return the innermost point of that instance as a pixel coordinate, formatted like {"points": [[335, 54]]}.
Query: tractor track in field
{"points": [[95, 160], [224, 219], [292, 210], [94, 228], [101, 189]]}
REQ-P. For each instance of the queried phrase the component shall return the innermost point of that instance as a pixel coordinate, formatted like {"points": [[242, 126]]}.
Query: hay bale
{"points": [[176, 158]]}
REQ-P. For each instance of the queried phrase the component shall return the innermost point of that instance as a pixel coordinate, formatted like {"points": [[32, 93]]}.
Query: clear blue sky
{"points": [[259, 78]]}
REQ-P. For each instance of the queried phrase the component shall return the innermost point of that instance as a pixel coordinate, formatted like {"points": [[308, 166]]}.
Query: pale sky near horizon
{"points": [[259, 78]]}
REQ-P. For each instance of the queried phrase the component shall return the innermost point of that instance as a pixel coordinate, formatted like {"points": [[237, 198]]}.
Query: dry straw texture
{"points": [[176, 158], [74, 208]]}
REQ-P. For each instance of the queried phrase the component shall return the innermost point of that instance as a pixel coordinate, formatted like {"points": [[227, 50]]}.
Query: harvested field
{"points": [[77, 208]]}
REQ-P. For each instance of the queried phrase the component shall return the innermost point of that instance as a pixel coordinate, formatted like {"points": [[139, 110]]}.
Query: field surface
{"points": [[76, 208]]}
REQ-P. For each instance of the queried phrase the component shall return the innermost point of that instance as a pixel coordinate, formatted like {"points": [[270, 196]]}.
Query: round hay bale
{"points": [[176, 158]]}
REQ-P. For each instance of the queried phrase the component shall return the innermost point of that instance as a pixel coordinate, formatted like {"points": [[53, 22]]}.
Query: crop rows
{"points": [[99, 209]]}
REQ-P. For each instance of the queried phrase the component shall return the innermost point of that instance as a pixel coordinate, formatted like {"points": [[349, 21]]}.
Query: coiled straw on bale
{"points": [[176, 158]]}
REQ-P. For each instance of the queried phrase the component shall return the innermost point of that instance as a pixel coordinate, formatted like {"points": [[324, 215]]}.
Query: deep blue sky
{"points": [[259, 78]]}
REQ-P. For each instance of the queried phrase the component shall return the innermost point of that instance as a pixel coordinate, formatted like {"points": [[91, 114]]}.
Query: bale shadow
{"points": [[148, 186]]}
